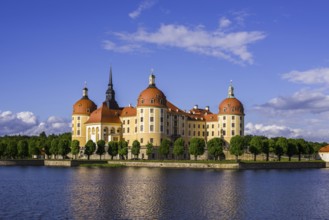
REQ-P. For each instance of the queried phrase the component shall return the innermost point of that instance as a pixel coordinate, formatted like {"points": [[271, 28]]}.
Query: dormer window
{"points": [[152, 101], [142, 101]]}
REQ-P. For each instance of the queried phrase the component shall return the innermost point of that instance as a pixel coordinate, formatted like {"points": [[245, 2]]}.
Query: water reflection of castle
{"points": [[153, 119]]}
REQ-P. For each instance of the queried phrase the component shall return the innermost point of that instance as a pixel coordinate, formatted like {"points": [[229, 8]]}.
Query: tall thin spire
{"points": [[85, 91], [231, 90], [110, 94]]}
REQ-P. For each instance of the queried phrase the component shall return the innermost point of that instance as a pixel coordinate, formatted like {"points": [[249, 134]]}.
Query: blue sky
{"points": [[276, 53]]}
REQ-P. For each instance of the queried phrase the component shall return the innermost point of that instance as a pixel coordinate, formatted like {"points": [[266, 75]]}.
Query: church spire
{"points": [[231, 91], [110, 94]]}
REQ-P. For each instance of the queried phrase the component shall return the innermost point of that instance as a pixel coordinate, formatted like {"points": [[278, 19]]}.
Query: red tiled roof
{"points": [[324, 149], [128, 112], [105, 115]]}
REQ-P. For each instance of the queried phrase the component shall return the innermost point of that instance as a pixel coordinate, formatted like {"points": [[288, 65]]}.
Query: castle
{"points": [[154, 119]]}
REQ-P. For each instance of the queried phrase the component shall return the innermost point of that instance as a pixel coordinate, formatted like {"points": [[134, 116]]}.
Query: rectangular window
{"points": [[123, 130], [128, 122], [224, 118], [78, 125], [79, 118], [198, 126], [233, 133], [142, 140], [212, 126], [151, 140], [161, 128], [151, 128], [128, 130], [151, 110], [161, 119], [78, 132], [224, 133], [212, 134], [233, 117], [233, 125], [141, 127], [135, 129], [224, 125], [151, 119], [142, 119]]}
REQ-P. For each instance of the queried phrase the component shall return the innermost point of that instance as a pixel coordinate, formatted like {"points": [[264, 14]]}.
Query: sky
{"points": [[276, 52]]}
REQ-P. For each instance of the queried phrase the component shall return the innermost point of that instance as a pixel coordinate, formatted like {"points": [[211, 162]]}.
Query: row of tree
{"points": [[13, 147], [278, 146]]}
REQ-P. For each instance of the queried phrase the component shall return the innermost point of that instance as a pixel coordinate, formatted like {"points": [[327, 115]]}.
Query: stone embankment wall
{"points": [[71, 163], [21, 163], [283, 165]]}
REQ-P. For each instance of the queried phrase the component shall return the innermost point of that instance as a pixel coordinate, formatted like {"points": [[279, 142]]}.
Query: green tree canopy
{"points": [[75, 148], [255, 146], [135, 149], [197, 146], [266, 148], [23, 149], [164, 148], [149, 149], [33, 148], [123, 149], [280, 147], [100, 148], [300, 148], [215, 147], [63, 147], [54, 147], [291, 148], [179, 147], [90, 148], [3, 149], [236, 146], [113, 148]]}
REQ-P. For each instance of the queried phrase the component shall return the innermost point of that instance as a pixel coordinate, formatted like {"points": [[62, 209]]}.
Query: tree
{"points": [[215, 147], [196, 147], [291, 148], [123, 149], [90, 147], [300, 147], [113, 149], [12, 149], [22, 149], [54, 147], [75, 148], [164, 148], [100, 148], [3, 149], [280, 147], [33, 148], [236, 146], [256, 145], [149, 149], [309, 150], [179, 147], [135, 149], [63, 147], [266, 148]]}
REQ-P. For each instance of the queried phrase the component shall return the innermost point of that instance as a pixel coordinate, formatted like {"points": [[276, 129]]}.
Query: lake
{"points": [[154, 193]]}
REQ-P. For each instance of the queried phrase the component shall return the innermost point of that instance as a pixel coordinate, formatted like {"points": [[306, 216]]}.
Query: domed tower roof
{"points": [[84, 106], [152, 96], [231, 105]]}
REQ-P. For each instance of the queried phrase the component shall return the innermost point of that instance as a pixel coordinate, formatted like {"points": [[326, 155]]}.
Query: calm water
{"points": [[151, 193]]}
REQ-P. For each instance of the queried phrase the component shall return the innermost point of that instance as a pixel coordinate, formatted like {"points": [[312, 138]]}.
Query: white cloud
{"points": [[146, 4], [26, 123], [229, 46], [224, 22], [303, 101], [312, 76], [274, 130]]}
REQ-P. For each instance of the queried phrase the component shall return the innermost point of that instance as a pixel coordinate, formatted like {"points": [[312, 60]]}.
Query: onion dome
{"points": [[231, 105], [152, 96], [84, 106]]}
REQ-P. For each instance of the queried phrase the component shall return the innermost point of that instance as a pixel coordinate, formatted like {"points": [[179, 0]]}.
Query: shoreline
{"points": [[250, 165]]}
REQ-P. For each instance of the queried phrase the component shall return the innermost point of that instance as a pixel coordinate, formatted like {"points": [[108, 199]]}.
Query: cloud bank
{"points": [[26, 123], [144, 5], [231, 46]]}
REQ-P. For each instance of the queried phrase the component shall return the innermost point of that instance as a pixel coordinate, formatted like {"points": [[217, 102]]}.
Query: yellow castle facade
{"points": [[154, 119]]}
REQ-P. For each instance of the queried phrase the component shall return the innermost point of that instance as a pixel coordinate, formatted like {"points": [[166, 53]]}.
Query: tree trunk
{"points": [[267, 156], [255, 157], [279, 157], [88, 157], [236, 158], [100, 157], [195, 157], [289, 158], [299, 157]]}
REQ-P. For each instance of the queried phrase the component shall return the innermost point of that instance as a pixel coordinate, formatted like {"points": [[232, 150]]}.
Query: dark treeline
{"points": [[23, 147], [278, 146], [53, 146]]}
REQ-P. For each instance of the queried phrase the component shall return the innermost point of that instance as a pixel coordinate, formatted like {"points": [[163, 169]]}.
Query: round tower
{"points": [[151, 114], [231, 116], [81, 112]]}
